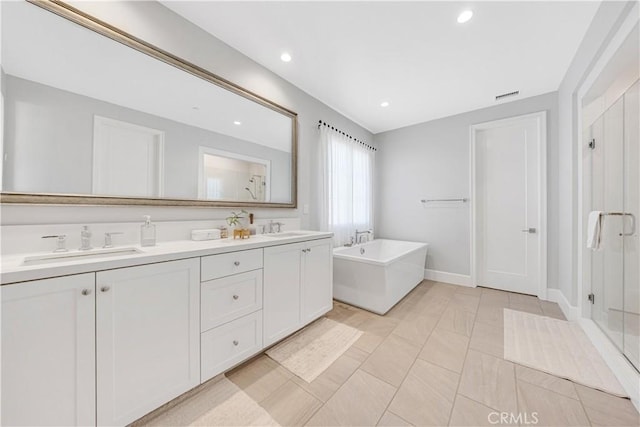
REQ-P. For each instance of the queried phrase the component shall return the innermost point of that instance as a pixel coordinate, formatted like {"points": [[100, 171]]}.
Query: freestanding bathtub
{"points": [[378, 274]]}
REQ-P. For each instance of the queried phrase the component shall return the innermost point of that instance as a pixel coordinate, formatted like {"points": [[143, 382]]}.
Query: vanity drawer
{"points": [[228, 298], [215, 266], [230, 344]]}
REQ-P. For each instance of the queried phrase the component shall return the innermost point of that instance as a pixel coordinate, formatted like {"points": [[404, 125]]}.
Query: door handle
{"points": [[531, 230]]}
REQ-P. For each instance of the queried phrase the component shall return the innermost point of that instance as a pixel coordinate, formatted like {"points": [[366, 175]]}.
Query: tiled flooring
{"points": [[435, 359]]}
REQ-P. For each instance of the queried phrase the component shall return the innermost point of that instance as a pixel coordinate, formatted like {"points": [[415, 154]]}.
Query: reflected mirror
{"points": [[110, 120]]}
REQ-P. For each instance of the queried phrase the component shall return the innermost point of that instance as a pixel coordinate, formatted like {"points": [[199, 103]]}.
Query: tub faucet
{"points": [[360, 234], [85, 238]]}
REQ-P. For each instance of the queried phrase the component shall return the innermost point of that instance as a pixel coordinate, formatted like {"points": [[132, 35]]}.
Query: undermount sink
{"points": [[287, 234], [79, 255]]}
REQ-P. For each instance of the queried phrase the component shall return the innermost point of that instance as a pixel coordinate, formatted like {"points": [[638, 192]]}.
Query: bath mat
{"points": [[312, 350], [557, 347], [221, 404]]}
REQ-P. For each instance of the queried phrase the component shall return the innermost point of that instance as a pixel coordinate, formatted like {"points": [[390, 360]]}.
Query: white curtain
{"points": [[345, 185]]}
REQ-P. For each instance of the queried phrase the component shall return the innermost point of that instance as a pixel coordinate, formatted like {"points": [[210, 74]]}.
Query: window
{"points": [[346, 185]]}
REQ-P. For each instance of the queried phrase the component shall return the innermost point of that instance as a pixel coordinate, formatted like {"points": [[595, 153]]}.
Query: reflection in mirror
{"points": [[86, 115], [229, 176]]}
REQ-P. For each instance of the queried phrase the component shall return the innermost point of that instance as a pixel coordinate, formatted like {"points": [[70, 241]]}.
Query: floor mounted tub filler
{"points": [[378, 274]]}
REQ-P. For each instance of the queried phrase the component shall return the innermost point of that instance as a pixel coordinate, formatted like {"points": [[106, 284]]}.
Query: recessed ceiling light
{"points": [[286, 57], [465, 16], [384, 104], [237, 122]]}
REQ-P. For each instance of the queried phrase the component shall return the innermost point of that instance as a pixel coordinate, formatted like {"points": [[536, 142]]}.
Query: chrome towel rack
{"points": [[464, 200]]}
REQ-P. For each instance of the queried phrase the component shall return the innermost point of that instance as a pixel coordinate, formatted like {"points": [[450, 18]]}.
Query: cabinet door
{"points": [[281, 294], [48, 352], [317, 279], [148, 337]]}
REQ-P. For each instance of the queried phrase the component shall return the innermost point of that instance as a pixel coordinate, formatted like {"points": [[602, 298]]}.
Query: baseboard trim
{"points": [[569, 311], [444, 277], [622, 369]]}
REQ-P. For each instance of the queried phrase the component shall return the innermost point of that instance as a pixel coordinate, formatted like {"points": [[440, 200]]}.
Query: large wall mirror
{"points": [[95, 116]]}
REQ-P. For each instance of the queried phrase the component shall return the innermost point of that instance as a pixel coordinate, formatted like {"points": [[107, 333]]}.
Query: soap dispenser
{"points": [[147, 232]]}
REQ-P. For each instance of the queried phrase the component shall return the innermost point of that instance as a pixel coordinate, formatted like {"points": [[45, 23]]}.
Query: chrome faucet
{"points": [[360, 234], [275, 227], [108, 241], [60, 243], [85, 238]]}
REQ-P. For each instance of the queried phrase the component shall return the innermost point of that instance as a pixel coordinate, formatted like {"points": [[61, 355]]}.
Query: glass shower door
{"points": [[615, 191], [631, 278], [607, 263]]}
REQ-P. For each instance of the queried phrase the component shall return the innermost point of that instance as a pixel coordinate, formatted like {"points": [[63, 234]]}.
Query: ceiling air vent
{"points": [[504, 95]]}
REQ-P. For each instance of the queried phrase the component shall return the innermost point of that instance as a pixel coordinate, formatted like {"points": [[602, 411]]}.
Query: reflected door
{"points": [[127, 159]]}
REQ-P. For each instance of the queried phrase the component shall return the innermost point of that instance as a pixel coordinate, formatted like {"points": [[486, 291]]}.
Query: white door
{"points": [[148, 337], [127, 159], [317, 279], [48, 352], [508, 195], [282, 276]]}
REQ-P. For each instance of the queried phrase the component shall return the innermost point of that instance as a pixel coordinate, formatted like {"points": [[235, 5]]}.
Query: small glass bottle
{"points": [[147, 232], [224, 232]]}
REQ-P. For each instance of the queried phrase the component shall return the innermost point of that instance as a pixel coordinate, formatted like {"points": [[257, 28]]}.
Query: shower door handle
{"points": [[633, 224], [531, 230]]}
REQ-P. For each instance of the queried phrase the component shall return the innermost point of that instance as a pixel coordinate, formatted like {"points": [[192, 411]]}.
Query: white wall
{"points": [[431, 160], [607, 20], [161, 27]]}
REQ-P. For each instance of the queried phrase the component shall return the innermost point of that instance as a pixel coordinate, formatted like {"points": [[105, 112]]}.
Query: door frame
{"points": [[541, 118]]}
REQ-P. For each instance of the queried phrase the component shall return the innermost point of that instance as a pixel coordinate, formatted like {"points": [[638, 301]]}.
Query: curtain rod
{"points": [[321, 123]]}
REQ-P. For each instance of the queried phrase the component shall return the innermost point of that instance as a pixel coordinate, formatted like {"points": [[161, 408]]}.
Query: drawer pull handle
{"points": [[236, 297], [236, 263], [86, 291], [235, 342], [104, 289]]}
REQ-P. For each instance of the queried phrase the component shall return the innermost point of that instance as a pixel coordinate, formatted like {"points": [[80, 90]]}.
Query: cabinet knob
{"points": [[236, 297], [235, 342], [304, 251], [86, 291], [236, 263], [104, 289], [309, 250]]}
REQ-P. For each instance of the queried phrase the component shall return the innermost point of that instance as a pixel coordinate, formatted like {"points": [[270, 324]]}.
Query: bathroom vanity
{"points": [[105, 340]]}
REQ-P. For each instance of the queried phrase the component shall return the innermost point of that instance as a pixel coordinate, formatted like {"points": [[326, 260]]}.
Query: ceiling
{"points": [[355, 55]]}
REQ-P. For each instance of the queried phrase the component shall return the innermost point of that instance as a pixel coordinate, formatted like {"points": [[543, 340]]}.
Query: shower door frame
{"points": [[622, 368]]}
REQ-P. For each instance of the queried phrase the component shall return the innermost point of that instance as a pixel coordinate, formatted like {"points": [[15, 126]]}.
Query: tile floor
{"points": [[434, 360]]}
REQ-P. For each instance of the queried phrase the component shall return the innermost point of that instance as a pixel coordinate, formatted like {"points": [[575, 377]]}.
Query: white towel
{"points": [[594, 229]]}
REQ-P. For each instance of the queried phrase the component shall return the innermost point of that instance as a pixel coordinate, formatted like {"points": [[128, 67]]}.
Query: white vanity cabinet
{"points": [[148, 337], [109, 344], [298, 286], [230, 310], [48, 351], [317, 279]]}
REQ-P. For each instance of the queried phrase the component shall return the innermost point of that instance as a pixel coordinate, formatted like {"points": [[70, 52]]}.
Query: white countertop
{"points": [[13, 269]]}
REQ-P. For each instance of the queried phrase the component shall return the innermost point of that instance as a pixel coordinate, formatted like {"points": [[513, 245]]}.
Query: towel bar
{"points": [[633, 221]]}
